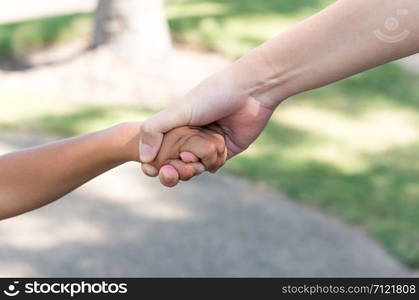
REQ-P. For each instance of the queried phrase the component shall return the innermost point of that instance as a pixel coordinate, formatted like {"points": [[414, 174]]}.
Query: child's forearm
{"points": [[34, 177], [346, 38]]}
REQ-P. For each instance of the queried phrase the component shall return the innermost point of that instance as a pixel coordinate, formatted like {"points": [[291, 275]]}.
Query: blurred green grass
{"points": [[350, 149], [227, 26], [28, 113], [234, 27], [23, 37]]}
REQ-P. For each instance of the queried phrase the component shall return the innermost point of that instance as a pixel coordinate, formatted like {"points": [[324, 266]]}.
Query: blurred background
{"points": [[331, 188]]}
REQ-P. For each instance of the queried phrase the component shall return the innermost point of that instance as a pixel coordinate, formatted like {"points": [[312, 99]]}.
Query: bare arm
{"points": [[346, 38], [35, 177]]}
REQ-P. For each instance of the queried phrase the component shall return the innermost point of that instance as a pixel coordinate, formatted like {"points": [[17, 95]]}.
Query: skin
{"points": [[336, 43], [208, 146], [34, 177]]}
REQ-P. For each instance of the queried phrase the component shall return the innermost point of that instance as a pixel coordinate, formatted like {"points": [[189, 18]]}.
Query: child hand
{"points": [[206, 144]]}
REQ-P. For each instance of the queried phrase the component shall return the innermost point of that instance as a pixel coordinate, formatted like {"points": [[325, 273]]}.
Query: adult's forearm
{"points": [[342, 40], [34, 177]]}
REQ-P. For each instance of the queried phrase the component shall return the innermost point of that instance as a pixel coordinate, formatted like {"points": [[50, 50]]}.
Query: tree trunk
{"points": [[136, 28]]}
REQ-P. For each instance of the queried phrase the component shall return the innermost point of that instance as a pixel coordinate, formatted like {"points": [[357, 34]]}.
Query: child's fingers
{"points": [[208, 155], [168, 176], [217, 156], [185, 171], [188, 157], [222, 157], [198, 168], [221, 151], [203, 148], [219, 144], [218, 140], [209, 160]]}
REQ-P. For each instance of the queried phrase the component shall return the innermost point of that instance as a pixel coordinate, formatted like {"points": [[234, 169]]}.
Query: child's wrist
{"points": [[124, 141]]}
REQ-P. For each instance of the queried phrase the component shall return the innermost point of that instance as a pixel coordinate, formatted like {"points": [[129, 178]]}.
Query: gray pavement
{"points": [[124, 224]]}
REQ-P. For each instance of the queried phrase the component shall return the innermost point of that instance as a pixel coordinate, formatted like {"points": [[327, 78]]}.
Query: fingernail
{"points": [[168, 172], [146, 153]]}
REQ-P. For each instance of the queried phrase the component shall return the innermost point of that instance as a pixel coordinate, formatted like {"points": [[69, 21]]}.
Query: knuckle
{"points": [[220, 148], [211, 148], [219, 138]]}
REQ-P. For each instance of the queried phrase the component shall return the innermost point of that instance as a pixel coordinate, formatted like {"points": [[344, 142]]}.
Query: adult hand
{"points": [[344, 39], [215, 102]]}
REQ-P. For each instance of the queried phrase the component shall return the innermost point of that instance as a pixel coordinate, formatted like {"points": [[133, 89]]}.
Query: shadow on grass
{"points": [[20, 38], [208, 27], [90, 119], [78, 121], [389, 85], [69, 124], [245, 7], [383, 198]]}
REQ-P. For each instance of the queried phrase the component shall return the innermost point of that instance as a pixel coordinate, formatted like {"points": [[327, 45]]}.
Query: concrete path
{"points": [[124, 224]]}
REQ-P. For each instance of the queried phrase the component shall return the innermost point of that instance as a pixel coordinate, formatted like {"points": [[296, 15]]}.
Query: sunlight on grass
{"points": [[195, 10], [18, 109], [32, 113], [232, 36], [226, 26], [22, 37], [232, 27], [349, 138]]}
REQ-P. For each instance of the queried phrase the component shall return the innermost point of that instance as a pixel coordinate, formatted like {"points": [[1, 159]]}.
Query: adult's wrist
{"points": [[259, 77]]}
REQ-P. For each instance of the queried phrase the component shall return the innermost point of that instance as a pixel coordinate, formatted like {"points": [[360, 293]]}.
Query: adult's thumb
{"points": [[152, 130]]}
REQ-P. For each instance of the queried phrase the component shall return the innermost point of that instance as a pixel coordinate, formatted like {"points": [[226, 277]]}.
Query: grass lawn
{"points": [[230, 27], [23, 37], [233, 27], [350, 149]]}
